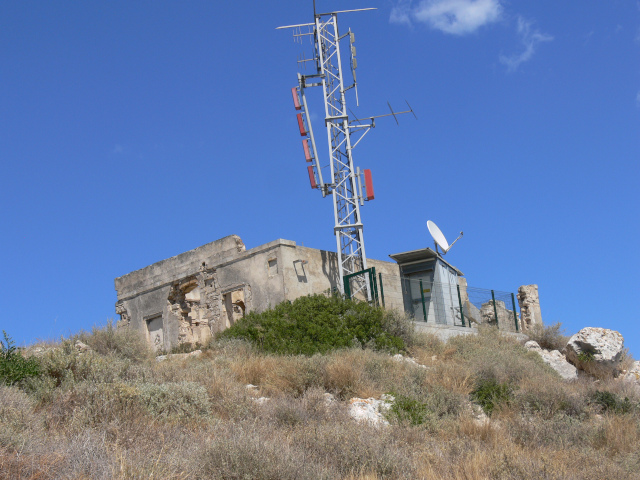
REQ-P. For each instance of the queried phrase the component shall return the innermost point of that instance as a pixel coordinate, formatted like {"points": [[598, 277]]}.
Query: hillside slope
{"points": [[105, 408]]}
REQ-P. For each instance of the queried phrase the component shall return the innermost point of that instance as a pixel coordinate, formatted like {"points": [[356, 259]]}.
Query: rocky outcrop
{"points": [[633, 373], [529, 302], [554, 359], [371, 410], [597, 351]]}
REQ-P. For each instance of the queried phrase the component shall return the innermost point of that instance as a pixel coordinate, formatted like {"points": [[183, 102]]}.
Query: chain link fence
{"points": [[448, 303]]}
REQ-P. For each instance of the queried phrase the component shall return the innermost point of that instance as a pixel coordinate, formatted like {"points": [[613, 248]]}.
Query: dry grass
{"points": [[115, 415]]}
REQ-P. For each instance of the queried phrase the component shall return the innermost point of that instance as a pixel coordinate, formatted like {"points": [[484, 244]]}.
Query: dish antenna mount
{"points": [[439, 239]]}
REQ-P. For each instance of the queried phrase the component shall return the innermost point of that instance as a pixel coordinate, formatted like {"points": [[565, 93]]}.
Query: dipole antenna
{"points": [[345, 182]]}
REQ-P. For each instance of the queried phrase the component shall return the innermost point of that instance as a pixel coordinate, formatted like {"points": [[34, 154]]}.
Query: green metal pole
{"points": [[381, 290], [495, 310], [460, 303], [424, 309], [374, 281], [515, 315], [347, 287]]}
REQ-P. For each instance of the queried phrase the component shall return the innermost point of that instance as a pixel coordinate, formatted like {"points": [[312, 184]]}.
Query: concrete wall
{"points": [[207, 289]]}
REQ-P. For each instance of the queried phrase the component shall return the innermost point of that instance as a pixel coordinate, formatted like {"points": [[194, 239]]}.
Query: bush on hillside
{"points": [[13, 366], [318, 324], [125, 343], [490, 394], [608, 401], [549, 338]]}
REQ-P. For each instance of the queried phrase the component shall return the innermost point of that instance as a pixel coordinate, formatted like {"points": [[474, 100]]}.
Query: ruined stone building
{"points": [[190, 297]]}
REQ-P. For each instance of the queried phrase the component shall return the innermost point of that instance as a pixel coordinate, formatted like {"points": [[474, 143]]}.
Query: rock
{"points": [[479, 417], [329, 399], [596, 350], [82, 347], [370, 410], [554, 359], [532, 345], [178, 356], [400, 358], [633, 374]]}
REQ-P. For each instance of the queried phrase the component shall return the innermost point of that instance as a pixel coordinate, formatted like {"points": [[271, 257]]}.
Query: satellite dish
{"points": [[439, 238]]}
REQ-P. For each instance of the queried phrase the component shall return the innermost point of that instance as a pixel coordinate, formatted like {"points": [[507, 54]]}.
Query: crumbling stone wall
{"points": [[506, 320], [529, 302]]}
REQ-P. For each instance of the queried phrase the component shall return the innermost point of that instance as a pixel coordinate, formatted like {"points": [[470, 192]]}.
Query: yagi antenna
{"points": [[439, 239]]}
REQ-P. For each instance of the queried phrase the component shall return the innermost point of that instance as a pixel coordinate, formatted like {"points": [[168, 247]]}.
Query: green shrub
{"points": [[489, 394], [586, 357], [13, 366], [184, 399], [408, 409], [318, 324], [66, 365], [610, 402]]}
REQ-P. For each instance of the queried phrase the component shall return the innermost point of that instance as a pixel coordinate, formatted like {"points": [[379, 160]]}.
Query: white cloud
{"points": [[530, 40], [638, 98], [457, 17]]}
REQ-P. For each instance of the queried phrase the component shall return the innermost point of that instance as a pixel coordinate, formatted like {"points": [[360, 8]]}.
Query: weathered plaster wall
{"points": [[190, 297]]}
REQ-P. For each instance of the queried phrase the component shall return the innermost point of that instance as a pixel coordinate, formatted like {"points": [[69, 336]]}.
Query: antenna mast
{"points": [[345, 184]]}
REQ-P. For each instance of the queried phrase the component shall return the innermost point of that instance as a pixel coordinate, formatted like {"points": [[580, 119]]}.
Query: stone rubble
{"points": [[400, 358], [178, 356], [371, 410], [554, 359], [82, 347], [596, 350]]}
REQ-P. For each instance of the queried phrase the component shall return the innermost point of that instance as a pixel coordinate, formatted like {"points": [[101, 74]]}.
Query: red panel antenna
{"points": [[303, 131], [312, 177], [296, 100], [368, 184], [307, 152]]}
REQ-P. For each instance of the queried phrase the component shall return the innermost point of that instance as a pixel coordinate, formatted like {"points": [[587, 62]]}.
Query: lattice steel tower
{"points": [[343, 134]]}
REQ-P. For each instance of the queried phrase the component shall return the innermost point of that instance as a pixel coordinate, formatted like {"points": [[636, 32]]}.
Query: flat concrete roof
{"points": [[421, 255]]}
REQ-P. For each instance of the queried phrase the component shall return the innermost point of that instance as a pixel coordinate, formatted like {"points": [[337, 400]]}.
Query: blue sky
{"points": [[133, 131]]}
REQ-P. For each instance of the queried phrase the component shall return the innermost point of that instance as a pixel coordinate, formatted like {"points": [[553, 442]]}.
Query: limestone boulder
{"points": [[596, 350], [179, 356], [371, 410], [82, 347], [632, 374], [554, 359]]}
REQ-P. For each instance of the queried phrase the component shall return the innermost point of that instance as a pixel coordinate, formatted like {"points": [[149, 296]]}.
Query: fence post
{"points": [[374, 285], [460, 303], [515, 315], [424, 309], [347, 287], [381, 290], [495, 310]]}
